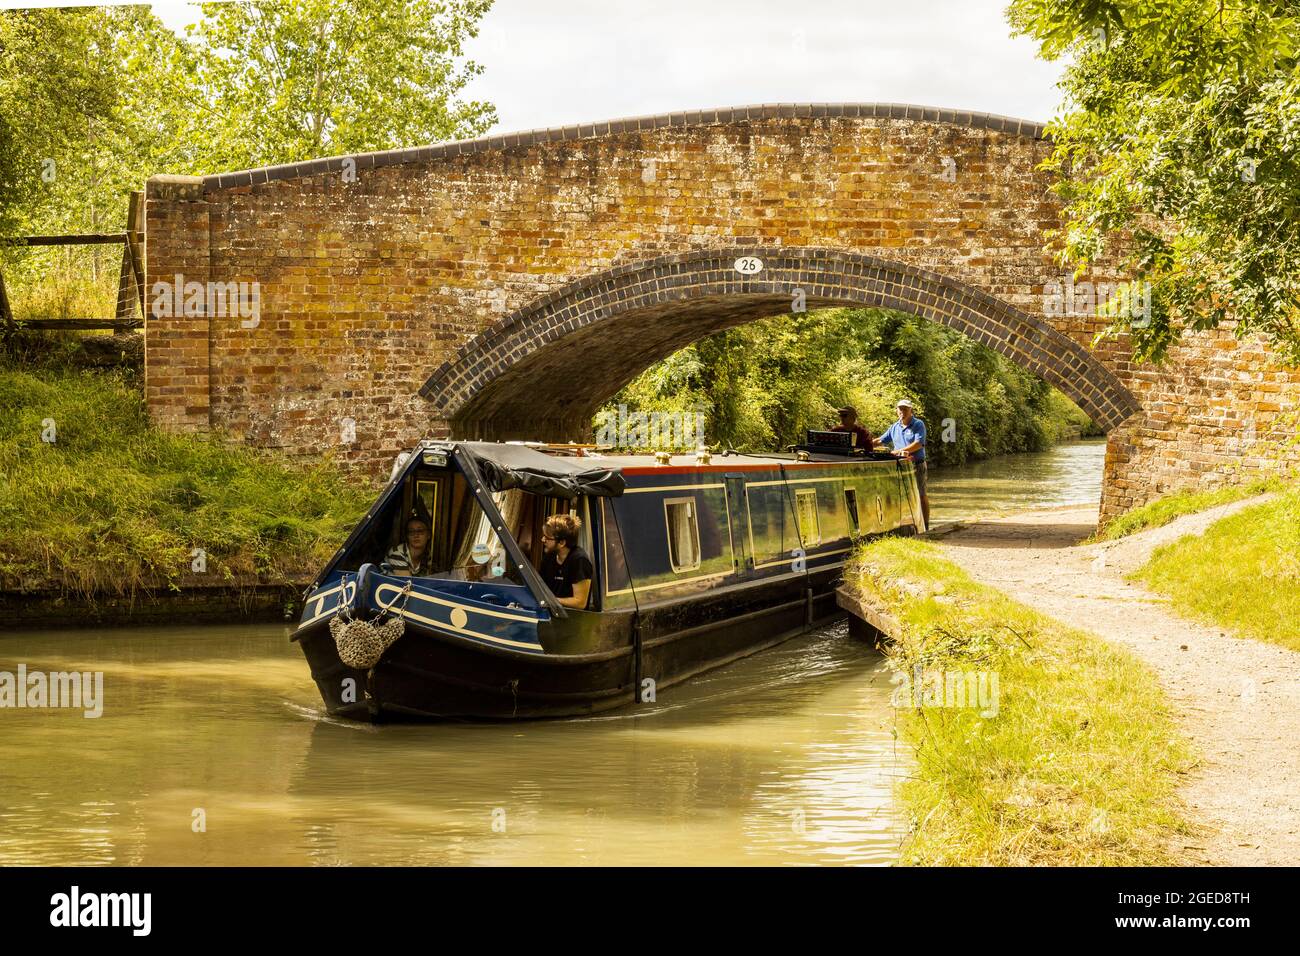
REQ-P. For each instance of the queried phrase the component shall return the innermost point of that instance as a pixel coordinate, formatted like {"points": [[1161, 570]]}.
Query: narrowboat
{"points": [[698, 560]]}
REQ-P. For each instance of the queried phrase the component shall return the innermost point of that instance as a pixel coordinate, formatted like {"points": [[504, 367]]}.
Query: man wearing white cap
{"points": [[906, 438]]}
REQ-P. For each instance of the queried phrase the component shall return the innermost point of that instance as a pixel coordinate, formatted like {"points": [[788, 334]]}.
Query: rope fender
{"points": [[361, 643]]}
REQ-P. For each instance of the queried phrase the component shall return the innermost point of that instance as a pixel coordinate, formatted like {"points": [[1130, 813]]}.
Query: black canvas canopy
{"points": [[503, 467]]}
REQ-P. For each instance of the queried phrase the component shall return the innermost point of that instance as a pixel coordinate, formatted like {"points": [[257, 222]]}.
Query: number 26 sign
{"points": [[749, 265]]}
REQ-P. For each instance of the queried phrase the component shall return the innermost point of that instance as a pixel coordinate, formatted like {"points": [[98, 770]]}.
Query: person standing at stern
{"points": [[906, 438], [566, 569]]}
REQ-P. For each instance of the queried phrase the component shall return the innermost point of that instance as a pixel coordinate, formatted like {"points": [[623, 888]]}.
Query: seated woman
{"points": [[411, 558], [566, 569]]}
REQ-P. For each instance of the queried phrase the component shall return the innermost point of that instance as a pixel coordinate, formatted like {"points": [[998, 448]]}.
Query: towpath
{"points": [[1237, 699]]}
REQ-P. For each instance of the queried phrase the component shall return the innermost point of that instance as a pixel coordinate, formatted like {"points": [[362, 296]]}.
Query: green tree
{"points": [[1179, 148], [760, 386], [93, 101], [296, 79], [55, 98]]}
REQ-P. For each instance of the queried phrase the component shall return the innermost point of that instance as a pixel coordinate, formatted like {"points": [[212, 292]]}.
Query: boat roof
{"points": [[505, 465], [647, 464], [589, 465]]}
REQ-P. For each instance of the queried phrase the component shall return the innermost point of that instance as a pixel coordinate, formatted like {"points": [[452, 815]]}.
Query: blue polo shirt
{"points": [[900, 436]]}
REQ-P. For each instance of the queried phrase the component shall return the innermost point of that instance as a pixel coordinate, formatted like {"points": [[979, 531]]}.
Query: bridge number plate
{"points": [[749, 265]]}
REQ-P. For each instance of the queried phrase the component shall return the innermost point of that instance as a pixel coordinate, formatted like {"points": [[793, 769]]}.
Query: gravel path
{"points": [[1237, 699]]}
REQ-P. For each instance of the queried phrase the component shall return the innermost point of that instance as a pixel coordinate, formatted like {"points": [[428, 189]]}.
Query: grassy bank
{"points": [[1078, 763], [1163, 510], [1242, 574], [112, 504]]}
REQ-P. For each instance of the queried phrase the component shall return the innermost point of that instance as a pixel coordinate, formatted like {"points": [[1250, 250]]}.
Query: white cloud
{"points": [[571, 61]]}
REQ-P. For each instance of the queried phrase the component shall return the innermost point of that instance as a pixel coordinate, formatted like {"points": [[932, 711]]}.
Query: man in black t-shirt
{"points": [[566, 569]]}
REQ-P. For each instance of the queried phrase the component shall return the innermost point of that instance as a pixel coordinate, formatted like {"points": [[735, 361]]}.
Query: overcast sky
{"points": [[554, 62]]}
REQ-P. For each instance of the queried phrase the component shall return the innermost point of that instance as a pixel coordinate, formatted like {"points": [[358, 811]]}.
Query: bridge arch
{"points": [[544, 369]]}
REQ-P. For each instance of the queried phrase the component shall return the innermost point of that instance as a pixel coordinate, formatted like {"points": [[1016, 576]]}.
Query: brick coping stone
{"points": [[184, 187]]}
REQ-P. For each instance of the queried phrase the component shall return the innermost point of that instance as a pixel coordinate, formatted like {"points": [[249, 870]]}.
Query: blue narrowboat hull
{"points": [[750, 558], [436, 672]]}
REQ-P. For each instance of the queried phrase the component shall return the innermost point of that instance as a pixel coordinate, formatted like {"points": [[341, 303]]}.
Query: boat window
{"points": [[851, 506], [473, 549], [806, 506], [617, 577], [426, 504], [485, 547], [683, 534]]}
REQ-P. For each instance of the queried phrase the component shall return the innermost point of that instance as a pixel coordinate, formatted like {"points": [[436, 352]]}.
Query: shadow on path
{"points": [[1056, 529]]}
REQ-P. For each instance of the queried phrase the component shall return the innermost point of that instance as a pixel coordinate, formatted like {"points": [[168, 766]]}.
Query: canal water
{"points": [[787, 757], [212, 749], [1069, 474]]}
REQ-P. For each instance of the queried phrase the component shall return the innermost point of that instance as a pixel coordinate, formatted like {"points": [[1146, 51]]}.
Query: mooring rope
{"points": [[907, 493]]}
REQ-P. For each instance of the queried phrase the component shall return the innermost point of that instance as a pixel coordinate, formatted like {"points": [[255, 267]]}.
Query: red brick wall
{"points": [[1217, 412], [177, 363]]}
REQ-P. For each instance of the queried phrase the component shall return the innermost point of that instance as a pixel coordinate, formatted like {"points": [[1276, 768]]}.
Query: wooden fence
{"points": [[130, 286]]}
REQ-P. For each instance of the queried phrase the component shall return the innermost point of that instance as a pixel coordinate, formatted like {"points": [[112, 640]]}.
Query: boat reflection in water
{"points": [[698, 561], [787, 757]]}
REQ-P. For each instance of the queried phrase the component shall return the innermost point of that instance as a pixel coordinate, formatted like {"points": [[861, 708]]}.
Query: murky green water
{"points": [[788, 757], [1067, 475]]}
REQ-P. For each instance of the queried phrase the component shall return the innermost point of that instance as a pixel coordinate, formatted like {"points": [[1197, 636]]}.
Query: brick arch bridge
{"points": [[459, 287], [582, 343]]}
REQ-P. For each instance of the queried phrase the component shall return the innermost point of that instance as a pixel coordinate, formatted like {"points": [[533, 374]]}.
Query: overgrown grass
{"points": [[57, 283], [1079, 763], [1242, 574], [112, 504], [1164, 510]]}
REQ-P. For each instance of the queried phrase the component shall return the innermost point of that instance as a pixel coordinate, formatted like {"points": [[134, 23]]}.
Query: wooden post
{"points": [[130, 283], [6, 314], [135, 243]]}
